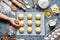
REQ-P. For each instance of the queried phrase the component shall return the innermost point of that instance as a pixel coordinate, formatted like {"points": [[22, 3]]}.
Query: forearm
{"points": [[2, 16]]}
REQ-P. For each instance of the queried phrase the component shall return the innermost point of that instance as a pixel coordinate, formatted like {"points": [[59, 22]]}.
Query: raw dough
{"points": [[21, 30], [29, 23], [29, 16], [38, 30], [21, 16], [37, 23], [29, 30], [38, 16], [21, 23]]}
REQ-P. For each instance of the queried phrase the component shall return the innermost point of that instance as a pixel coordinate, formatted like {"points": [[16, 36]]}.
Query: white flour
{"points": [[43, 3]]}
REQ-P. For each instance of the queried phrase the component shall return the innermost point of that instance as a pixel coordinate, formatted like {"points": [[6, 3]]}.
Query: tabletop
{"points": [[4, 26]]}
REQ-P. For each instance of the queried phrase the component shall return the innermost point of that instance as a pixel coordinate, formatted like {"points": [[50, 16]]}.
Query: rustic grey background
{"points": [[5, 25]]}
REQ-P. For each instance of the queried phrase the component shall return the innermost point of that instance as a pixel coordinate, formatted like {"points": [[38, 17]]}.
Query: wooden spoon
{"points": [[33, 3], [27, 5], [25, 1], [13, 8], [18, 4]]}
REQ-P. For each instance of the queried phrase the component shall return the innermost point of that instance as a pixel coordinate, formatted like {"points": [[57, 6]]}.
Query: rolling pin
{"points": [[27, 5], [13, 8], [18, 4]]}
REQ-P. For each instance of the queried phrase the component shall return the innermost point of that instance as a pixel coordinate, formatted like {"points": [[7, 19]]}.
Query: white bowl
{"points": [[43, 3]]}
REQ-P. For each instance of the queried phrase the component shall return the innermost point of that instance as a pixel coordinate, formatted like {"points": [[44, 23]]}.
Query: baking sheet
{"points": [[33, 21]]}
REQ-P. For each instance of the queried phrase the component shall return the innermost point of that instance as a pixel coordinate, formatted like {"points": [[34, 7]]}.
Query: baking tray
{"points": [[33, 21]]}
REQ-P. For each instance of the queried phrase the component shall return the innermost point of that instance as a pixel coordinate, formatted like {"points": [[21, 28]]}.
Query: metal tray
{"points": [[33, 21]]}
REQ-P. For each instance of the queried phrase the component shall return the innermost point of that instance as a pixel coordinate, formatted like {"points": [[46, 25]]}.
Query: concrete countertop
{"points": [[5, 25]]}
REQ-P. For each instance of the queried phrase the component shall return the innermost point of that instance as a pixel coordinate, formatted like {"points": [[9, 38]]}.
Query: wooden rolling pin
{"points": [[18, 4], [13, 8]]}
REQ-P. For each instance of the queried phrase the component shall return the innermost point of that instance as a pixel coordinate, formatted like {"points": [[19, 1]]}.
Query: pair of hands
{"points": [[14, 22]]}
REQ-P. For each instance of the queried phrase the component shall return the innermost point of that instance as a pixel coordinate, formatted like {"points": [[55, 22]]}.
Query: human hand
{"points": [[14, 22]]}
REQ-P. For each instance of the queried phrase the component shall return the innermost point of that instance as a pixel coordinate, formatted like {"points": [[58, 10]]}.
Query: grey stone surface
{"points": [[4, 25]]}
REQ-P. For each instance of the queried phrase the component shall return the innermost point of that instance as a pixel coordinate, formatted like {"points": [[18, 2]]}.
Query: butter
{"points": [[55, 9]]}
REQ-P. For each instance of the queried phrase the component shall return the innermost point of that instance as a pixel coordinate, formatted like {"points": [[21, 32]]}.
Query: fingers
{"points": [[16, 25], [16, 21]]}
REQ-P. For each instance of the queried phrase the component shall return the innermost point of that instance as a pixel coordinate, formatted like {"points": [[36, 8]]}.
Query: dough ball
{"points": [[29, 16], [21, 16], [21, 23], [38, 16], [37, 23], [29, 23], [29, 30], [38, 30], [21, 30]]}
